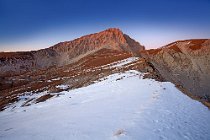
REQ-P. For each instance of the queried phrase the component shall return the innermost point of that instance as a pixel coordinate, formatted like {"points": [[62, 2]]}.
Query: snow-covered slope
{"points": [[122, 106]]}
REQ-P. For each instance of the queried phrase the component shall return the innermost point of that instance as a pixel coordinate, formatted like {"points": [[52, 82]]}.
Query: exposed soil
{"points": [[153, 51], [44, 98], [175, 48]]}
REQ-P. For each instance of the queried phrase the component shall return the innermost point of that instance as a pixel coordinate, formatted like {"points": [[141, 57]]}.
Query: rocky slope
{"points": [[84, 72], [74, 63], [66, 52], [185, 63]]}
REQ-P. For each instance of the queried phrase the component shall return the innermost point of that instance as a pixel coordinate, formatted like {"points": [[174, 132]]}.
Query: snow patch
{"points": [[62, 87], [121, 62]]}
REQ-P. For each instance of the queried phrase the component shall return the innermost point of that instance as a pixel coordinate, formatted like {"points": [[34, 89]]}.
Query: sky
{"points": [[36, 24]]}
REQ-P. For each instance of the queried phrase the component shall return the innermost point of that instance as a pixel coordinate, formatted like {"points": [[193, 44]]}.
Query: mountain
{"points": [[76, 63], [185, 63], [15, 63], [106, 86]]}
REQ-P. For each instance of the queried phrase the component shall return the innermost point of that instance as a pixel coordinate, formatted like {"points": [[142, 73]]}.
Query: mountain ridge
{"points": [[67, 52], [81, 61]]}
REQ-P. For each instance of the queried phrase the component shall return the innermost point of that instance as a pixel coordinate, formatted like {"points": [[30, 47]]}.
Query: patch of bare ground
{"points": [[54, 89], [6, 101], [206, 104], [152, 51], [175, 48], [197, 44], [44, 98], [198, 41], [195, 47], [27, 103], [153, 75], [120, 132]]}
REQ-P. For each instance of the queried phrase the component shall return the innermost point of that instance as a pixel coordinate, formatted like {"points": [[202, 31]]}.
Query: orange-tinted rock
{"points": [[66, 52]]}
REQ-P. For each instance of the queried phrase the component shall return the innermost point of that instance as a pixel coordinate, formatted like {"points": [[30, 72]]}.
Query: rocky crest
{"points": [[66, 52], [185, 63]]}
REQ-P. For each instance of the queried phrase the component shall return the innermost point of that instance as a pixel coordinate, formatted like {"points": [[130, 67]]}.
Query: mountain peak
{"points": [[111, 38], [113, 30], [110, 34], [68, 52]]}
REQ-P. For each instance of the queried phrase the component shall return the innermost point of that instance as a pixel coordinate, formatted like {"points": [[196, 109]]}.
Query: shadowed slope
{"points": [[185, 63]]}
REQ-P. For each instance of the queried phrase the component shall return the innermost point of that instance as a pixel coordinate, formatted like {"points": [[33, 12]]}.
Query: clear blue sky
{"points": [[35, 24]]}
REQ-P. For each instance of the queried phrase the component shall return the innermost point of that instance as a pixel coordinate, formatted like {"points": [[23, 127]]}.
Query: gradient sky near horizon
{"points": [[35, 24]]}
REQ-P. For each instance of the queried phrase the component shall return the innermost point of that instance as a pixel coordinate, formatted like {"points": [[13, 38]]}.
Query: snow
{"points": [[55, 79], [121, 63], [62, 86], [26, 97], [123, 106], [189, 42], [49, 81], [125, 62]]}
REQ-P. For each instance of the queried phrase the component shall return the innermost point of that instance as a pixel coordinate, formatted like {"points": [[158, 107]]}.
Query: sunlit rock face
{"points": [[67, 52]]}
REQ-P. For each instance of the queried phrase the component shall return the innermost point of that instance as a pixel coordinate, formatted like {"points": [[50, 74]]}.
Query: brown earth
{"points": [[44, 98]]}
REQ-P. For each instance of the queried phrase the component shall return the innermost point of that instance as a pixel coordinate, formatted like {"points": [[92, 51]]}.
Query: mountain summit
{"points": [[111, 38], [68, 52]]}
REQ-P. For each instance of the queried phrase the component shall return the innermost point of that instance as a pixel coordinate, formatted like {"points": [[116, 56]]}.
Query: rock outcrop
{"points": [[185, 63], [64, 53]]}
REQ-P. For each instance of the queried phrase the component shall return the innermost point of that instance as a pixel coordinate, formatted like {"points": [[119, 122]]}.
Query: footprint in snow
{"points": [[120, 132], [155, 95], [8, 129]]}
